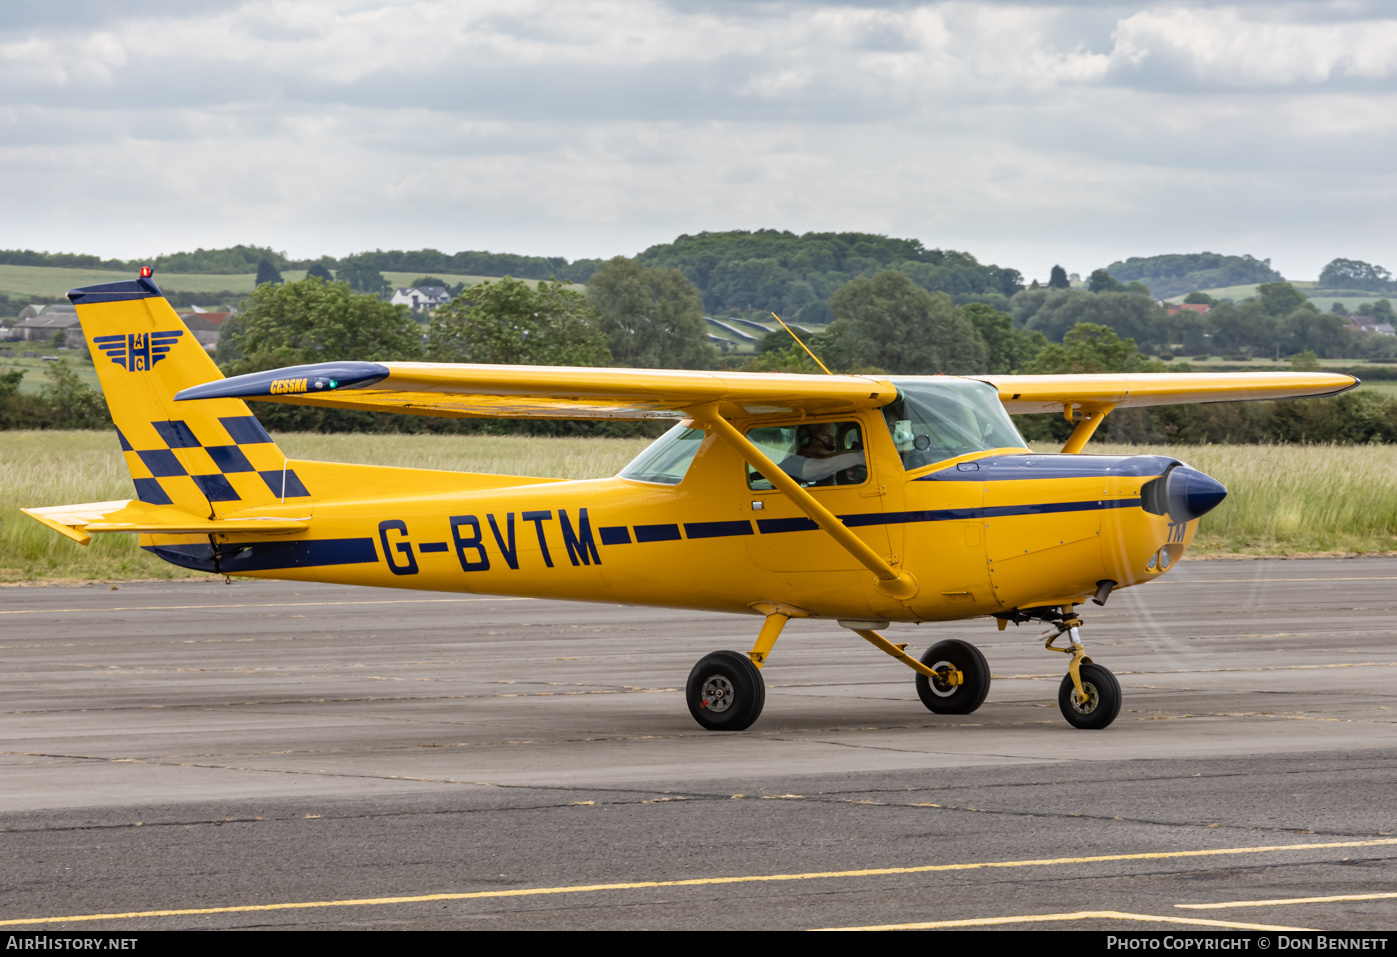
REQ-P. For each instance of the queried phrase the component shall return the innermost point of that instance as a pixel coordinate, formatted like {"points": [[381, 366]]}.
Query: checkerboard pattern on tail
{"points": [[209, 457]]}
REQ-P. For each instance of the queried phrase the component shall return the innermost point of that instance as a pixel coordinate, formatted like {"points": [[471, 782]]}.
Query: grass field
{"points": [[20, 281], [34, 369], [1293, 500], [1307, 287], [1283, 501]]}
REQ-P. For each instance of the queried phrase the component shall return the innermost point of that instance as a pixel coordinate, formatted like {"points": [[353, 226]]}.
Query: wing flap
{"points": [[1049, 393]]}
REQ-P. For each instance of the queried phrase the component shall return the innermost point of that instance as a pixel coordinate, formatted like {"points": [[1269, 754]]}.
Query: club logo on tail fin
{"points": [[138, 351]]}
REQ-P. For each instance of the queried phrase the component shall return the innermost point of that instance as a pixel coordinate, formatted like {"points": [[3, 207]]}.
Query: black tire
{"points": [[725, 691], [1103, 698], [975, 682]]}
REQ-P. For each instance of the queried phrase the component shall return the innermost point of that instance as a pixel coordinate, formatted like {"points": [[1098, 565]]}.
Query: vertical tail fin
{"points": [[209, 457]]}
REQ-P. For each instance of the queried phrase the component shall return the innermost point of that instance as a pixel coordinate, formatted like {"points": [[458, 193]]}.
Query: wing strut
{"points": [[1086, 425], [899, 585]]}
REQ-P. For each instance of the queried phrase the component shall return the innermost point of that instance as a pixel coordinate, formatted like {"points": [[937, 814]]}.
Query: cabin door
{"points": [[830, 459]]}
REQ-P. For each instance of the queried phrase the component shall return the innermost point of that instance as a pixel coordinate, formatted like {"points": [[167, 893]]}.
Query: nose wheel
{"points": [[1102, 695]]}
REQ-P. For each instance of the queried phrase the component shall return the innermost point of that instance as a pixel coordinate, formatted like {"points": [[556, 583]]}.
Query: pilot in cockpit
{"points": [[818, 459]]}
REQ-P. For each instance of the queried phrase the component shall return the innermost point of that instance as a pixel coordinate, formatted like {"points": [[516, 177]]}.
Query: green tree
{"points": [[19, 410], [1279, 298], [1356, 274], [71, 403], [266, 272], [1009, 349], [1380, 310], [1057, 279], [421, 281], [320, 272], [510, 323], [1054, 311], [652, 317], [315, 321], [1088, 347], [1199, 298], [1305, 361], [889, 322], [1174, 274], [362, 275], [1102, 281], [1309, 330], [1245, 327]]}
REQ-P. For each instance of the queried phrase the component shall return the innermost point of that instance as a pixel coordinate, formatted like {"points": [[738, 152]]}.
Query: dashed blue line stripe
{"points": [[619, 535]]}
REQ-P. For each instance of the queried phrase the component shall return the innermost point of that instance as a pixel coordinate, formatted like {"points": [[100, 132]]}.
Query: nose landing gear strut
{"points": [[1089, 696]]}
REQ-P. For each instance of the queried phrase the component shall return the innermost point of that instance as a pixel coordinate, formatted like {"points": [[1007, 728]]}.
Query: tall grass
{"points": [[1293, 500], [1284, 500]]}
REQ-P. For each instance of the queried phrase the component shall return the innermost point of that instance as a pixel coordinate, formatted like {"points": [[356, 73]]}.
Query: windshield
{"points": [[668, 459], [937, 419]]}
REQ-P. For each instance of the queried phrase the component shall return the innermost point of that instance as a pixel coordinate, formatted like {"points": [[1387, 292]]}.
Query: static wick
{"points": [[802, 344]]}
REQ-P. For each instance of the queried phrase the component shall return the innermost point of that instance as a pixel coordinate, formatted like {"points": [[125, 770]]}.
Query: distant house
{"points": [[39, 323], [206, 327], [421, 298], [1371, 324], [1202, 308]]}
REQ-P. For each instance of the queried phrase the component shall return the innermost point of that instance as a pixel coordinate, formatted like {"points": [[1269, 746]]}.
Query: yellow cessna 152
{"points": [[861, 499]]}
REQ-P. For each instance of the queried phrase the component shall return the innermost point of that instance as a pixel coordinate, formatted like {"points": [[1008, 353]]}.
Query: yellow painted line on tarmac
{"points": [[1292, 900], [708, 881], [1075, 915], [264, 604]]}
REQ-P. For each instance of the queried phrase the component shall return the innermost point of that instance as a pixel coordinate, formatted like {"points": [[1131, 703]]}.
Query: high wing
{"points": [[446, 389], [1051, 393], [549, 392]]}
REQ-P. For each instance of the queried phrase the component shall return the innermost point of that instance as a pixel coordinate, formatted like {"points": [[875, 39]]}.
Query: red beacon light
{"points": [[145, 272]]}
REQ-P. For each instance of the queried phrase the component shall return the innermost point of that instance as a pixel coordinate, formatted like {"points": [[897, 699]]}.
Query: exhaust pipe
{"points": [[1103, 591]]}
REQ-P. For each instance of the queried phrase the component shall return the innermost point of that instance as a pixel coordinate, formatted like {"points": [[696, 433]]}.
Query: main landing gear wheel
{"points": [[725, 691], [1103, 698], [942, 694]]}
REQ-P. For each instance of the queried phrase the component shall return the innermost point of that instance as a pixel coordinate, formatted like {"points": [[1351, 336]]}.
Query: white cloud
{"points": [[601, 126], [1221, 47]]}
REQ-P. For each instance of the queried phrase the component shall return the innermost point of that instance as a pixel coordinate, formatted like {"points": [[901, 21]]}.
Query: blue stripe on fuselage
{"points": [[264, 556], [1021, 467]]}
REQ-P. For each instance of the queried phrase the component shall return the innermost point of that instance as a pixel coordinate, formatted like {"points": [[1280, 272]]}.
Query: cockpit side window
{"points": [[935, 420], [815, 454]]}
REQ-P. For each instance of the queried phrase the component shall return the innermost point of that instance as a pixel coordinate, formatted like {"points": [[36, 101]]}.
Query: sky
{"points": [[1027, 134]]}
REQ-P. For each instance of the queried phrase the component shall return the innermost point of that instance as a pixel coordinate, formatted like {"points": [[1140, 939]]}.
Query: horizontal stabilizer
{"points": [[81, 522]]}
